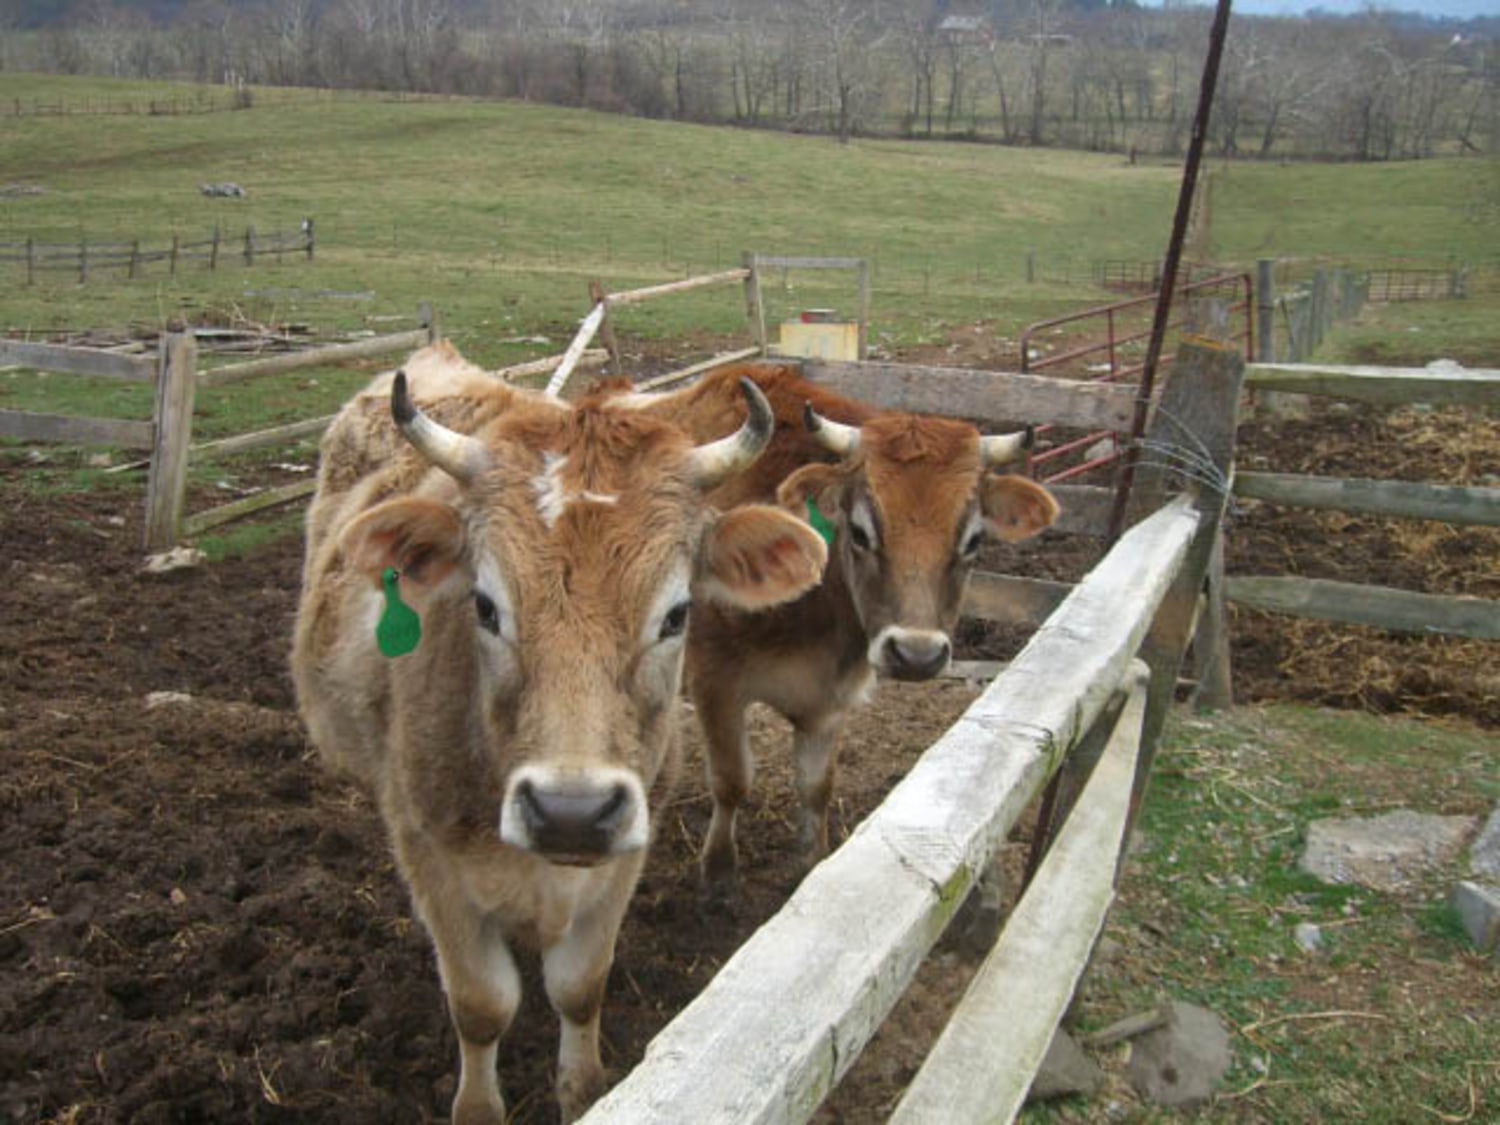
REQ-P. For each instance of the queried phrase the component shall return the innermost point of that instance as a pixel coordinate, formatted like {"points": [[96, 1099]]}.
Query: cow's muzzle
{"points": [[574, 818], [910, 654]]}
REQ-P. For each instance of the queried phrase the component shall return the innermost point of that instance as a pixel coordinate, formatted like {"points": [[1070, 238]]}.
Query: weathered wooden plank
{"points": [[78, 361], [791, 1010], [173, 416], [984, 1062], [1085, 508], [633, 296], [995, 396], [586, 330], [312, 357], [122, 433], [688, 372], [1012, 599], [1404, 499], [1351, 603], [1391, 386], [591, 357], [224, 513], [784, 262], [259, 438]]}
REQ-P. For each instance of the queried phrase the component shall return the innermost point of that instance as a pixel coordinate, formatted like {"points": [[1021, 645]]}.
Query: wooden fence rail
{"points": [[789, 1013], [84, 256], [1354, 603]]}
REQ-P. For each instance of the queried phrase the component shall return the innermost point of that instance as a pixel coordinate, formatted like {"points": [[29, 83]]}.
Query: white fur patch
{"points": [[553, 498]]}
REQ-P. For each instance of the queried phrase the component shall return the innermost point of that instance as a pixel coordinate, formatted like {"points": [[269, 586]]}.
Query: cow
{"points": [[490, 639], [905, 501]]}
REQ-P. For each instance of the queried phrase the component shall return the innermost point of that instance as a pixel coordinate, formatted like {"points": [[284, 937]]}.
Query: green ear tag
{"points": [[399, 628], [819, 522]]}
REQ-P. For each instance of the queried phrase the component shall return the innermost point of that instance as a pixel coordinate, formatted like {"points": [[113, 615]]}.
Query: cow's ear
{"points": [[815, 482], [422, 539], [1016, 507], [756, 556]]}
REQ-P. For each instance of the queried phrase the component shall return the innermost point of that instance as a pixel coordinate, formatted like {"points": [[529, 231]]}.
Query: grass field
{"points": [[500, 213]]}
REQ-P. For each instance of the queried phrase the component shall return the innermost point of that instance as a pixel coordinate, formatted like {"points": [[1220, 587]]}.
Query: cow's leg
{"points": [[575, 969], [814, 748], [730, 773], [483, 988]]}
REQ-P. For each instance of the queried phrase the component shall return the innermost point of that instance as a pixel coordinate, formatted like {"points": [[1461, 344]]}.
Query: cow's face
{"points": [[554, 578], [911, 501]]}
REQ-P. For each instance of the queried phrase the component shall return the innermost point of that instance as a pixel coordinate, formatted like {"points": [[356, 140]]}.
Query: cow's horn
{"points": [[717, 461], [835, 436], [997, 449], [456, 454]]}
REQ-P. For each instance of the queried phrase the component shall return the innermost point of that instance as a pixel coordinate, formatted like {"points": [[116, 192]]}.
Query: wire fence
{"points": [[86, 256]]}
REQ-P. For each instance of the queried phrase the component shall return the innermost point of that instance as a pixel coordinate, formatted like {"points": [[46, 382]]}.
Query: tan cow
{"points": [[516, 746], [907, 501]]}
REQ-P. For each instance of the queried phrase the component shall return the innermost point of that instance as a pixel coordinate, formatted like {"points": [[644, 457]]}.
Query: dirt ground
{"points": [[199, 926]]}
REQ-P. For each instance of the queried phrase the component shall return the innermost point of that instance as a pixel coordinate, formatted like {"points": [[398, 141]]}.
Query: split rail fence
{"points": [[1081, 707], [83, 257], [1355, 603]]}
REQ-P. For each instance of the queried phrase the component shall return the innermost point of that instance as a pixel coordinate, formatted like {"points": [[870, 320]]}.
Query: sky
{"points": [[1459, 9]]}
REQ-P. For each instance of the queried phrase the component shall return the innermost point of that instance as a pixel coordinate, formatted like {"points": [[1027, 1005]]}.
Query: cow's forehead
{"points": [[590, 503], [920, 470]]}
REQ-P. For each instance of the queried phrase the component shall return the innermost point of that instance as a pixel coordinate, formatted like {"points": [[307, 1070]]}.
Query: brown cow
{"points": [[550, 553], [906, 500]]}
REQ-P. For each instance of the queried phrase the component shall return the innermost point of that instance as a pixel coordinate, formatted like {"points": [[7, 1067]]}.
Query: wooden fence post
{"points": [[864, 309], [1265, 309], [213, 250], [249, 246], [172, 258], [83, 260], [135, 258], [755, 310], [1191, 436], [307, 235], [30, 261], [166, 485]]}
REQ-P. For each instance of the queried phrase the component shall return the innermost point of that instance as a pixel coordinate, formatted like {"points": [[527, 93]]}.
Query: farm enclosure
{"points": [[232, 951]]}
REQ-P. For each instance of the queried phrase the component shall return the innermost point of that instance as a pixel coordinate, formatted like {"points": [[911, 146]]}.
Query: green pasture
{"points": [[1396, 1018]]}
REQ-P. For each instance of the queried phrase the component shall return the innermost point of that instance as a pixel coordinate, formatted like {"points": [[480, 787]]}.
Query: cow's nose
{"points": [[573, 821], [916, 656]]}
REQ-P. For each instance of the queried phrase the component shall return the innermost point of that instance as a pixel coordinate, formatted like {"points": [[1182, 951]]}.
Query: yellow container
{"points": [[824, 340]]}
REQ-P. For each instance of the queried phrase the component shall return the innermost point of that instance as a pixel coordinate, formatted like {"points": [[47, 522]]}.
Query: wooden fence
{"points": [[790, 1012], [83, 257], [1354, 603]]}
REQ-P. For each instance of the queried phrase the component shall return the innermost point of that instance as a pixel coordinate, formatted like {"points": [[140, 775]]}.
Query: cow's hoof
{"points": [[578, 1090]]}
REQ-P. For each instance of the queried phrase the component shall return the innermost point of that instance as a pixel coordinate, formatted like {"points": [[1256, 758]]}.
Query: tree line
{"points": [[1090, 74]]}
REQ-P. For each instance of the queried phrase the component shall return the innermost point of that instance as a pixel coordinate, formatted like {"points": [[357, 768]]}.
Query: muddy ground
{"points": [[198, 926]]}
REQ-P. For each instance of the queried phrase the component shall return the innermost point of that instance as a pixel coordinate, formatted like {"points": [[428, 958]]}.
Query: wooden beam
{"points": [[1403, 499], [121, 433], [166, 484], [990, 396], [1012, 599], [78, 361], [224, 513], [259, 438], [688, 372], [984, 1061], [591, 357], [1085, 508], [789, 1013], [314, 357], [783, 262], [634, 296], [586, 329], [1391, 386], [1381, 607]]}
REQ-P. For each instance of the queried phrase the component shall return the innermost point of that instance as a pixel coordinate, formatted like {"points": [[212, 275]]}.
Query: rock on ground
{"points": [[1182, 1062], [1383, 852]]}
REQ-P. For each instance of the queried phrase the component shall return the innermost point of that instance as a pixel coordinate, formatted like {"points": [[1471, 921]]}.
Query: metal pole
{"points": [[1216, 37]]}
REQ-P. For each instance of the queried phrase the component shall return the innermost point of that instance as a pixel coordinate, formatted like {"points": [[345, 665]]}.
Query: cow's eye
{"points": [[859, 537], [674, 624], [487, 612], [972, 544]]}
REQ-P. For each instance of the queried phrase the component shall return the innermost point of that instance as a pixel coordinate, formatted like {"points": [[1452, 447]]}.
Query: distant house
{"points": [[966, 31]]}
